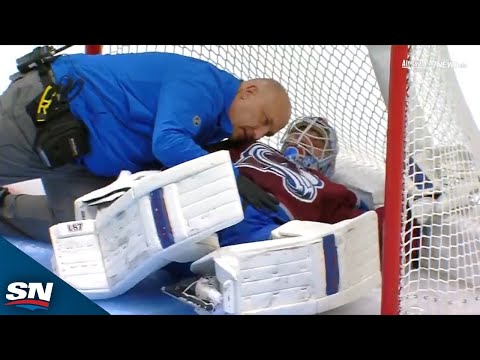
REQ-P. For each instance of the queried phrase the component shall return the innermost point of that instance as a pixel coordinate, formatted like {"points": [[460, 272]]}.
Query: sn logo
{"points": [[31, 295]]}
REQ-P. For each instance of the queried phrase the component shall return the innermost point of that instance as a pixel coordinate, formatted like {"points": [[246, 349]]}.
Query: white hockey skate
{"points": [[307, 268], [158, 218]]}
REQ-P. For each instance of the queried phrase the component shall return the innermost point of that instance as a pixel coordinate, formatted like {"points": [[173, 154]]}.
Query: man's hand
{"points": [[255, 195]]}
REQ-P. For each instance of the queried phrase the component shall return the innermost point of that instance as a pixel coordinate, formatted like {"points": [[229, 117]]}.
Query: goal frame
{"points": [[395, 140], [394, 170]]}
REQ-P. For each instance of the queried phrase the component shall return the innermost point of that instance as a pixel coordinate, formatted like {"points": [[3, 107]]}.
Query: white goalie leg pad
{"points": [[168, 216], [87, 206], [77, 257], [308, 268]]}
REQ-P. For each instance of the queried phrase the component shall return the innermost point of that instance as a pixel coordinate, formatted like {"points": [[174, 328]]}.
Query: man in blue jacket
{"points": [[81, 120]]}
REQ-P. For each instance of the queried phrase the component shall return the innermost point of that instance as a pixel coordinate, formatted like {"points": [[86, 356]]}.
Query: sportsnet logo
{"points": [[30, 296]]}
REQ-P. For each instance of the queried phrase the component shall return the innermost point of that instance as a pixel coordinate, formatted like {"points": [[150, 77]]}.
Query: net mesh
{"points": [[336, 82], [440, 271], [440, 253]]}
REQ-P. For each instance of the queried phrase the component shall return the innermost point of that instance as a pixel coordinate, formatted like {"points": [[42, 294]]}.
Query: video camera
{"points": [[39, 56]]}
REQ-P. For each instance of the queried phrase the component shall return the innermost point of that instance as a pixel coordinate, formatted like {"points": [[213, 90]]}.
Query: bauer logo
{"points": [[197, 121], [31, 296]]}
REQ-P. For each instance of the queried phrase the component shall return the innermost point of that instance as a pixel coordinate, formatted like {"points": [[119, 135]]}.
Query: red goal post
{"points": [[394, 182]]}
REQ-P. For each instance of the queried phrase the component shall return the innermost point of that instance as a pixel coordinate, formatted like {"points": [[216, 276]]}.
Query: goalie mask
{"points": [[311, 143]]}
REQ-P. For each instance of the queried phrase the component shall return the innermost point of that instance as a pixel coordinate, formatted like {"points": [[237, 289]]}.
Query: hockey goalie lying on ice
{"points": [[319, 250]]}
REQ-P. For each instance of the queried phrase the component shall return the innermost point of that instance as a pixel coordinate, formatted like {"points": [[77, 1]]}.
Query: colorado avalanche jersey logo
{"points": [[297, 181]]}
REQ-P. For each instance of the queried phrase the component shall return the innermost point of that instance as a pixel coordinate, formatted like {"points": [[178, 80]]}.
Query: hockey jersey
{"points": [[307, 194], [304, 194]]}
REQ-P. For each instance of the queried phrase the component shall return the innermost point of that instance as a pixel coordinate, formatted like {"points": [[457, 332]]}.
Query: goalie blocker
{"points": [[144, 221]]}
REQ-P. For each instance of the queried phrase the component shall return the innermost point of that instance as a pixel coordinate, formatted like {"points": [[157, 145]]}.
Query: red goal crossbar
{"points": [[93, 49]]}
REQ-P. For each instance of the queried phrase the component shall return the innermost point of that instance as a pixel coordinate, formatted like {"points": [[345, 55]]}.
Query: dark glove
{"points": [[253, 194], [3, 194]]}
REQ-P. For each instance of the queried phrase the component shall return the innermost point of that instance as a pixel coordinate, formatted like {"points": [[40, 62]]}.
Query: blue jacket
{"points": [[142, 109], [257, 225]]}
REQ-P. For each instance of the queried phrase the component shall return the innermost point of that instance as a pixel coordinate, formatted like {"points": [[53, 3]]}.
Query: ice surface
{"points": [[147, 298]]}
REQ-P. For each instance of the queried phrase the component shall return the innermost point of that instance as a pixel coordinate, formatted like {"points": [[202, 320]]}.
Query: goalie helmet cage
{"points": [[424, 144]]}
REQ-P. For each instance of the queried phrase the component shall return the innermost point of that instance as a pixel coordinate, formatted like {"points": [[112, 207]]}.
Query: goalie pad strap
{"points": [[162, 222], [332, 272]]}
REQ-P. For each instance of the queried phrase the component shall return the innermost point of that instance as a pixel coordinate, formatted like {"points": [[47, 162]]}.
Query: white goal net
{"points": [[440, 271], [440, 252]]}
